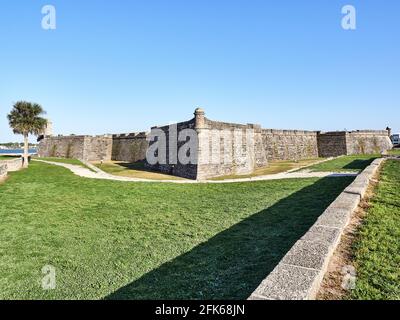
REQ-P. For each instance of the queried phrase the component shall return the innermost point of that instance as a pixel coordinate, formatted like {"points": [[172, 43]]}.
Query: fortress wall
{"points": [[177, 169], [220, 148], [229, 149], [332, 144], [290, 144], [62, 147], [98, 148], [84, 148], [130, 147], [367, 142]]}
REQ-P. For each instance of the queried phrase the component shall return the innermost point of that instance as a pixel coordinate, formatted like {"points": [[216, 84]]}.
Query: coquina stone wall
{"points": [[332, 144], [290, 144], [228, 148], [62, 147], [130, 147], [367, 142], [84, 148], [172, 165], [98, 148], [219, 148]]}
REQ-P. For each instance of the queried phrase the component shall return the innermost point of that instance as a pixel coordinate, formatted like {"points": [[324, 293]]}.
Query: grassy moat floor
{"points": [[274, 167], [355, 163], [133, 170], [341, 164], [394, 152], [138, 169], [116, 240]]}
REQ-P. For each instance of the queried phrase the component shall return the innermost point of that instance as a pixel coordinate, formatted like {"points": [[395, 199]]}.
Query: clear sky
{"points": [[120, 66]]}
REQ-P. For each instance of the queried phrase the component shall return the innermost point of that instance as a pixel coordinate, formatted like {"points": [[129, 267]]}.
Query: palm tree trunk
{"points": [[26, 151]]}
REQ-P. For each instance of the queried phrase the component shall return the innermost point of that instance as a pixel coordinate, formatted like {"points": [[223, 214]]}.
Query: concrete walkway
{"points": [[99, 174]]}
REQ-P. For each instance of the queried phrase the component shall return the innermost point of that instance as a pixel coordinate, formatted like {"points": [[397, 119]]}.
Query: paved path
{"points": [[99, 174]]}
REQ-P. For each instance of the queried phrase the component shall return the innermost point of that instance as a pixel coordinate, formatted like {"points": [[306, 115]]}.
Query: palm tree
{"points": [[25, 119]]}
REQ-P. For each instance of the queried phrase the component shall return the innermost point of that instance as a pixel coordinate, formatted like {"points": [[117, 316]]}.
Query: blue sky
{"points": [[123, 66]]}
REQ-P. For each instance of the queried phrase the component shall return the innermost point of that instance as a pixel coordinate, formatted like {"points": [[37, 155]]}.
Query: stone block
{"points": [[358, 190], [335, 217], [359, 186], [309, 254], [287, 282], [323, 234], [377, 162], [362, 177], [14, 164], [347, 201], [3, 170], [257, 297], [370, 171]]}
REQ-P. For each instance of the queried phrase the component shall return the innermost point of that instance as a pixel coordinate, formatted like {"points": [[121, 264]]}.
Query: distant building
{"points": [[395, 139]]}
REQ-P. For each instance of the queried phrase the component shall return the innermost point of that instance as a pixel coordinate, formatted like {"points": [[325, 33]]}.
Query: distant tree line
{"points": [[16, 145]]}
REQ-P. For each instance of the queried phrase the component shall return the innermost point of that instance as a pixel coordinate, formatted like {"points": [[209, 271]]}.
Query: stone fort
{"points": [[267, 145]]}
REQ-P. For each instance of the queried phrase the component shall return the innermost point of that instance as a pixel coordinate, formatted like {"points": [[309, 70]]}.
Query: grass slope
{"points": [[133, 170], [115, 240], [75, 162], [354, 163], [394, 152], [273, 168], [377, 250]]}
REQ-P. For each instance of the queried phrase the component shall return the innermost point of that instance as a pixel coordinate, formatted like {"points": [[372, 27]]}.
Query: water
{"points": [[16, 151]]}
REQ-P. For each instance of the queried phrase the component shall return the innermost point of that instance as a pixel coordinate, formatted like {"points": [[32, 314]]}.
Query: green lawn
{"points": [[394, 152], [7, 157], [346, 163], [62, 160], [75, 162], [133, 170], [116, 240], [273, 167], [377, 249]]}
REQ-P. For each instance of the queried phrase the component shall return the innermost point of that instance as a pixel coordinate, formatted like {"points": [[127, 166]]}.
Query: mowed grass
{"points": [[62, 160], [273, 167], [133, 170], [394, 152], [75, 162], [354, 163], [377, 249], [116, 240]]}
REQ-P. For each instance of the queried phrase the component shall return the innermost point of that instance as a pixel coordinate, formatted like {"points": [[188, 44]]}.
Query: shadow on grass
{"points": [[139, 166], [234, 262], [359, 164]]}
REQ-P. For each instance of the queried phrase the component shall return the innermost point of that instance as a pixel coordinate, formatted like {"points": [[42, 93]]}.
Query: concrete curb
{"points": [[299, 274], [13, 164], [3, 171]]}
